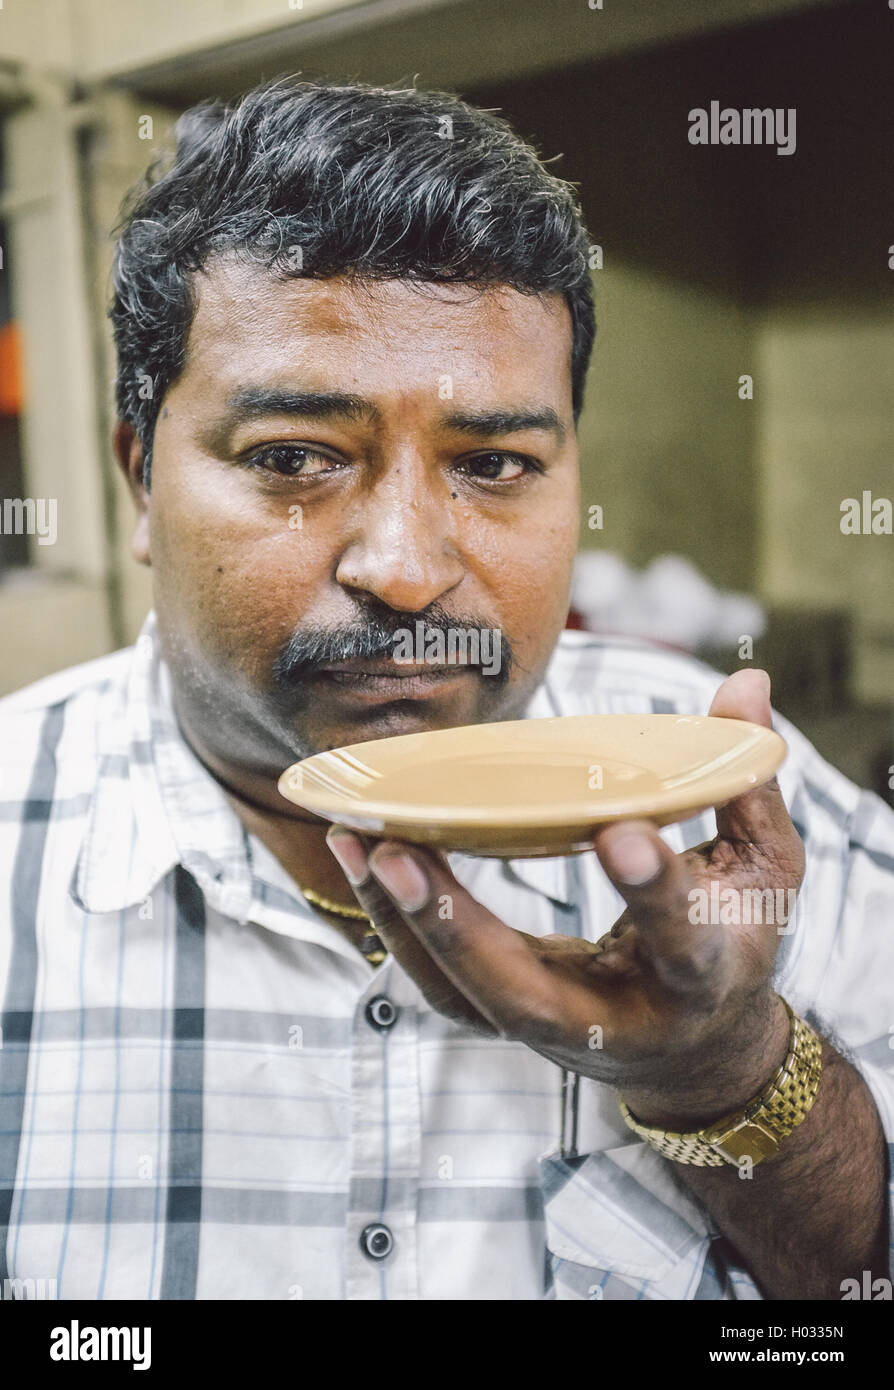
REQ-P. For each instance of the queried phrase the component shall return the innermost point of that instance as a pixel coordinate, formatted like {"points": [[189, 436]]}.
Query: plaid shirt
{"points": [[203, 1099]]}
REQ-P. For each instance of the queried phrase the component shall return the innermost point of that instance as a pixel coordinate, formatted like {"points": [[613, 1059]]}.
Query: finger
{"points": [[759, 818], [488, 962], [656, 884], [352, 852]]}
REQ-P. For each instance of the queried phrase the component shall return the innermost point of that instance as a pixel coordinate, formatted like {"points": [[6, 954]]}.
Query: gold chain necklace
{"points": [[371, 945]]}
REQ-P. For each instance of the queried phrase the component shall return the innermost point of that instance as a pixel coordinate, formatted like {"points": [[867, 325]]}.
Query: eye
{"points": [[494, 467], [288, 460]]}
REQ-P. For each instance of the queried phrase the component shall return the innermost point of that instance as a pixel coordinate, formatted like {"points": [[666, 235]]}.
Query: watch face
{"points": [[748, 1140]]}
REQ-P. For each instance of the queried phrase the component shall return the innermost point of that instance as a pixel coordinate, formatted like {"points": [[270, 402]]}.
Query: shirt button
{"points": [[377, 1241], [381, 1013]]}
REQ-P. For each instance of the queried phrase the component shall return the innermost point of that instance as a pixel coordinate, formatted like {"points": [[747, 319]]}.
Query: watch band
{"points": [[756, 1131]]}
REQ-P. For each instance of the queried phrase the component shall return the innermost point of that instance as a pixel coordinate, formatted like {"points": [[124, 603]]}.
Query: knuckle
{"points": [[382, 912]]}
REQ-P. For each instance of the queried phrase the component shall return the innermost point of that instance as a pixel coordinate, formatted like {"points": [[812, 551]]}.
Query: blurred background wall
{"points": [[717, 262]]}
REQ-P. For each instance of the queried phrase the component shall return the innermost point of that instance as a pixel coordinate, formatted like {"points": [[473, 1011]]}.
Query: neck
{"points": [[296, 838], [299, 845]]}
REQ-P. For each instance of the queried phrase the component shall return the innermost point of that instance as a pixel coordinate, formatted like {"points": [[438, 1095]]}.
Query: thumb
{"points": [[744, 695]]}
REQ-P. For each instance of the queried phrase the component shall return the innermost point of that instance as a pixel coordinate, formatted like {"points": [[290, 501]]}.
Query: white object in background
{"points": [[670, 602]]}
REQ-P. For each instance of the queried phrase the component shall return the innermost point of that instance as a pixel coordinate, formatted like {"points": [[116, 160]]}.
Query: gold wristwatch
{"points": [[755, 1132]]}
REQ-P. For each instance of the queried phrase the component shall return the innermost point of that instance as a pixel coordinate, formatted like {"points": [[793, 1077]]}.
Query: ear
{"points": [[129, 453]]}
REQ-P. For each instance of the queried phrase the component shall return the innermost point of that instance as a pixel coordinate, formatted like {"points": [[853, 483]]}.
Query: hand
{"points": [[678, 1013]]}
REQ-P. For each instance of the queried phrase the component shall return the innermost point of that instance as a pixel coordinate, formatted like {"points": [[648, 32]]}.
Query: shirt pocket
{"points": [[619, 1227]]}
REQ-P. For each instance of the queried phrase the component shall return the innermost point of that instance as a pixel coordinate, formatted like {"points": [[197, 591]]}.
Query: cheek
{"points": [[534, 578], [238, 582]]}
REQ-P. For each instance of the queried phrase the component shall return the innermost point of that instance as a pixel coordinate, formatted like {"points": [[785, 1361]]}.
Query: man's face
{"points": [[339, 457]]}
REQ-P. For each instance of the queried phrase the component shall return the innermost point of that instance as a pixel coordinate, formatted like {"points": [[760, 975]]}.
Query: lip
{"points": [[390, 680], [387, 666]]}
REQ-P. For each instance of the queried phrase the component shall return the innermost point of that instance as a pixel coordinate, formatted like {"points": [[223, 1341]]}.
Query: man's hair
{"points": [[315, 179]]}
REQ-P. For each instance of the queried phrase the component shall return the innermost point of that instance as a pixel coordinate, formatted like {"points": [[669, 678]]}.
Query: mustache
{"points": [[375, 635]]}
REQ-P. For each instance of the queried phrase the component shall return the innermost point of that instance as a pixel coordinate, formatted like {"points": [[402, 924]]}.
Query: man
{"points": [[353, 328]]}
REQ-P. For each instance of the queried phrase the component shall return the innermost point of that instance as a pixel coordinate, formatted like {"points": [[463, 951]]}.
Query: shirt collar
{"points": [[155, 806]]}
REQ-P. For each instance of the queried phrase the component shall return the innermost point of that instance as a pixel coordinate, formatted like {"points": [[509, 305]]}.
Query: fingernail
{"points": [[634, 859], [350, 854], [400, 876]]}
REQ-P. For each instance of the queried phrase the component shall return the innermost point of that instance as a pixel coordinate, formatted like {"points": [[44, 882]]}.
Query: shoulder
{"points": [[618, 674], [61, 714], [90, 676], [590, 673]]}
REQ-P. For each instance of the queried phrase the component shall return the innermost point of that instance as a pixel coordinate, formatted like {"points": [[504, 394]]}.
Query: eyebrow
{"points": [[496, 422], [251, 403]]}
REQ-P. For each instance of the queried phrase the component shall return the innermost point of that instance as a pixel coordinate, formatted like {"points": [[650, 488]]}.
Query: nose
{"points": [[402, 546]]}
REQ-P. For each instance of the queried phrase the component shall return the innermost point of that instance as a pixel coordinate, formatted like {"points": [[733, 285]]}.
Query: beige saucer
{"points": [[534, 786]]}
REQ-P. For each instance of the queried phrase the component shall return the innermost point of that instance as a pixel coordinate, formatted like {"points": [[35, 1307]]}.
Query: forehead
{"points": [[381, 333]]}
